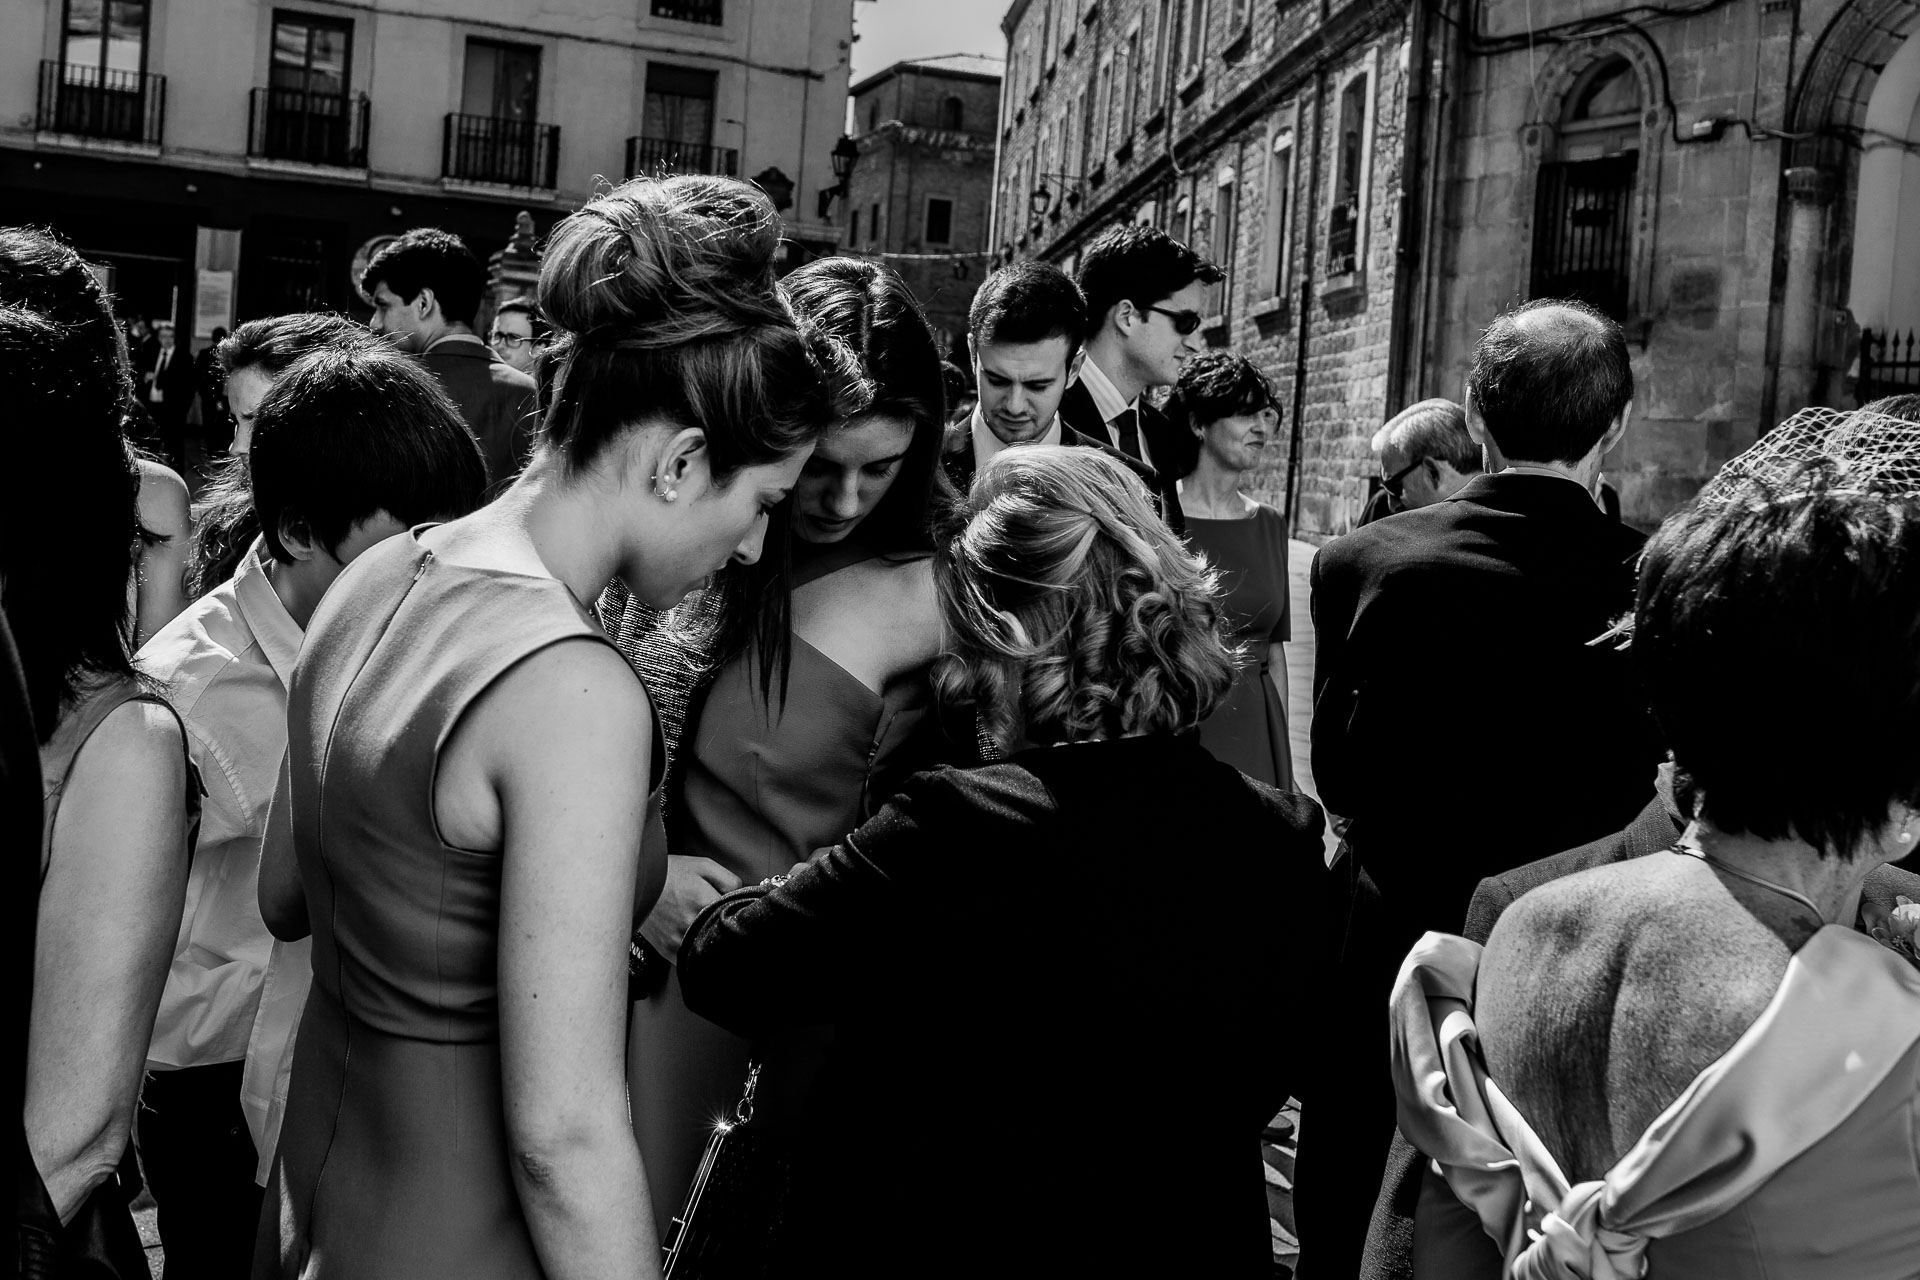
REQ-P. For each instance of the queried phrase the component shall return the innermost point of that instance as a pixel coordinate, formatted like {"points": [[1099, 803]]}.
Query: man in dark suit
{"points": [[1022, 332], [426, 289], [1146, 293], [167, 387], [1467, 714]]}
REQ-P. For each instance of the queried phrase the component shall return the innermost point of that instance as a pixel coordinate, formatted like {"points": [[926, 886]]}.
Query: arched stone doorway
{"points": [[1885, 292]]}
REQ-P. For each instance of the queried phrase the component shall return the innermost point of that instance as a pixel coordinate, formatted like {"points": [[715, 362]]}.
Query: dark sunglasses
{"points": [[1394, 483], [1184, 322]]}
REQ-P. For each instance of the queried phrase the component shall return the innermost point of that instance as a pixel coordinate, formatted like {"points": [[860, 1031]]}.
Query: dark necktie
{"points": [[1126, 429]]}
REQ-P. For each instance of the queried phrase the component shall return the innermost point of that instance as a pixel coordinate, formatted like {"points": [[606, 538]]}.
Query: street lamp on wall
{"points": [[845, 153], [1042, 201]]}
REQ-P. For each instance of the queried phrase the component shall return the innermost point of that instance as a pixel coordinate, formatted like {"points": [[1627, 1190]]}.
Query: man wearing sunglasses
{"points": [[1145, 294], [1425, 454]]}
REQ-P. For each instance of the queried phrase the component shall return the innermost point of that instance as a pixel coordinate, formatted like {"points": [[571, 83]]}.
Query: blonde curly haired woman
{"points": [[1057, 982]]}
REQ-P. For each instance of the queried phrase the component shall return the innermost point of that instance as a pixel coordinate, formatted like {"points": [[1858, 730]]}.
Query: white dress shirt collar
{"points": [[1106, 396]]}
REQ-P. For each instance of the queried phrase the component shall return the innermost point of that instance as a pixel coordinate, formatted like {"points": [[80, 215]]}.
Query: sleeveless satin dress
{"points": [[393, 1157]]}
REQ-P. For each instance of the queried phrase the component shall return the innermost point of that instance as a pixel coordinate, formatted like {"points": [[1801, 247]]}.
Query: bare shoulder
{"points": [[879, 619], [575, 686], [164, 500]]}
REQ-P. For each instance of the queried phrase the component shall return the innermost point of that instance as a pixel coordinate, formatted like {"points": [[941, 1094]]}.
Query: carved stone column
{"points": [[1810, 194]]}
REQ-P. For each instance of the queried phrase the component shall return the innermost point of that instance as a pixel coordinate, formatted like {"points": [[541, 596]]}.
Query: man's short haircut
{"points": [[1779, 612], [1434, 428], [1140, 264], [351, 431], [525, 307], [1212, 386], [1549, 378], [1028, 302], [272, 345], [429, 258]]}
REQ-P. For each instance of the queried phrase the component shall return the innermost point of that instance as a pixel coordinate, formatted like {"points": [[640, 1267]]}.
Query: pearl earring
{"points": [[1906, 837], [665, 495]]}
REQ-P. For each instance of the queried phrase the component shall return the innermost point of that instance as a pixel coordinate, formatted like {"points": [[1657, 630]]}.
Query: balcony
{"points": [[706, 12], [88, 102], [308, 128], [517, 153], [658, 157]]}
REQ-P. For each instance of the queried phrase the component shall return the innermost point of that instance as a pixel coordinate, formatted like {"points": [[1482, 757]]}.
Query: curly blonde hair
{"points": [[1072, 612]]}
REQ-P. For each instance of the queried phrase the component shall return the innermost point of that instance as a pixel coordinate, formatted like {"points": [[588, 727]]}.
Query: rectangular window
{"points": [[1050, 34], [310, 54], [1136, 75], [1583, 231], [939, 220], [1102, 109], [1279, 225], [678, 106], [1182, 229], [1162, 49], [106, 36], [1346, 226], [1236, 16], [705, 12], [502, 81], [873, 222], [853, 229], [1225, 230], [1195, 43]]}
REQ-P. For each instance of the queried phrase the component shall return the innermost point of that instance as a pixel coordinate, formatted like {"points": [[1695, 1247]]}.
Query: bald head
{"points": [[1549, 380]]}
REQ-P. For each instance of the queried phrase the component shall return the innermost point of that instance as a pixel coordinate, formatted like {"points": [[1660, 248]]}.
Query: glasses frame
{"points": [[1396, 482], [1184, 322], [512, 341]]}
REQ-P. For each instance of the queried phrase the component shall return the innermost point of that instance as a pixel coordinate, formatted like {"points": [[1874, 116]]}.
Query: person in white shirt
{"points": [[329, 480]]}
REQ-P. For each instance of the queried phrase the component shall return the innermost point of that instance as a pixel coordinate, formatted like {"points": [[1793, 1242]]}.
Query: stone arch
{"points": [[1830, 108], [1885, 281], [1539, 141]]}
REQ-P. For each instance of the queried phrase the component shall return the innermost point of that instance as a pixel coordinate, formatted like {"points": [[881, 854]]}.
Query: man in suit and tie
{"points": [[1468, 714], [1146, 293], [166, 385], [1022, 332], [426, 289]]}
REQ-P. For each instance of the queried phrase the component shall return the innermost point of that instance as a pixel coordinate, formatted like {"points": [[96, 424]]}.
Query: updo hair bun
{"points": [[660, 262]]}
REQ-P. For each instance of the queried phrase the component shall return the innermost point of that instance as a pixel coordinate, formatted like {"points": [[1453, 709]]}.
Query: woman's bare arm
{"points": [[565, 739], [109, 913]]}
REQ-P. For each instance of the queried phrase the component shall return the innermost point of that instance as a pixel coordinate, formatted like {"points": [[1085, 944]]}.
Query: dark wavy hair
{"points": [[1212, 386], [67, 608], [1138, 263], [1072, 612], [866, 328], [429, 258], [662, 296], [1777, 631]]}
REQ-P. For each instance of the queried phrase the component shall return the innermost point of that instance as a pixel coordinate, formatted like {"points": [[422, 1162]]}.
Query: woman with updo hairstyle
{"points": [[465, 758], [1077, 943], [1224, 409], [766, 772], [1705, 1063]]}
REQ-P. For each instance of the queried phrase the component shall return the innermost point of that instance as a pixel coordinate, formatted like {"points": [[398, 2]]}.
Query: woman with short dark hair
{"points": [[1225, 409], [1703, 1070], [1007, 953]]}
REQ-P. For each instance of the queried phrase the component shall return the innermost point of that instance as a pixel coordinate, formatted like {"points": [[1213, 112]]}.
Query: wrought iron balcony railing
{"points": [[311, 128], [123, 106], [704, 11], [518, 153], [652, 157]]}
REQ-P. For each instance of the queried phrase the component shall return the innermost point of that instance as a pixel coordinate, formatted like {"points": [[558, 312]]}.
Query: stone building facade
{"points": [[1276, 138], [1736, 182], [921, 193], [226, 159]]}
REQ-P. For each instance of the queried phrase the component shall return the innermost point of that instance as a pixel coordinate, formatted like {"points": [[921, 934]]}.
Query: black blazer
{"points": [[1077, 411], [1011, 989], [176, 384], [956, 458], [496, 401], [1458, 673]]}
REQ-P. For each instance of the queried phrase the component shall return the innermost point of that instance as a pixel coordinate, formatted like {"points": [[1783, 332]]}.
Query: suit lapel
{"points": [[1078, 412]]}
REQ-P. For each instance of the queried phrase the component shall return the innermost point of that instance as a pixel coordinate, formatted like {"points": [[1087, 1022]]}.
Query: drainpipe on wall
{"points": [[1417, 159], [1301, 316]]}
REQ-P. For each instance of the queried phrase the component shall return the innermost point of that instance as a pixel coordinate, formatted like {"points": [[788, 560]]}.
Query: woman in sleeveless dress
{"points": [[1689, 1064], [463, 744], [768, 772], [1227, 407], [119, 797]]}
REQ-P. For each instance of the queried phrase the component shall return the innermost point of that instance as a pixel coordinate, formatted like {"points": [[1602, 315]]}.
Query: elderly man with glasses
{"points": [[1425, 455]]}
